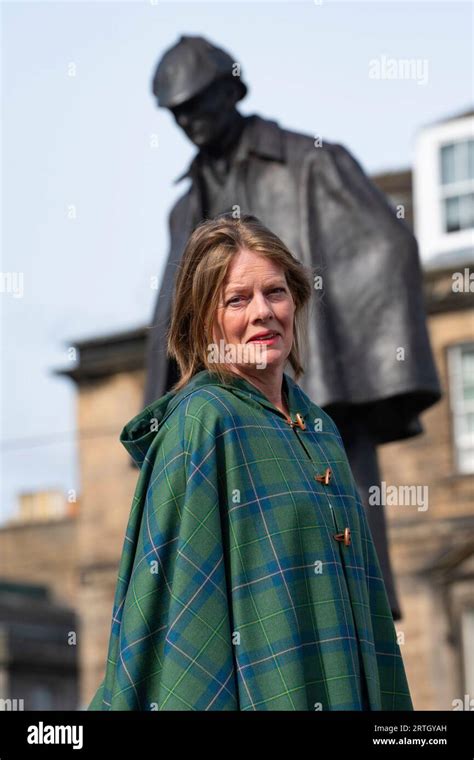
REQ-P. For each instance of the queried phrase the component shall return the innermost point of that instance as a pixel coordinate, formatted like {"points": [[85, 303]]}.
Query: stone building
{"points": [[38, 650]]}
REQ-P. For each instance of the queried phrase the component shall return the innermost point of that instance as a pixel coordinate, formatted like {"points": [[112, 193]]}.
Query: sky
{"points": [[85, 191]]}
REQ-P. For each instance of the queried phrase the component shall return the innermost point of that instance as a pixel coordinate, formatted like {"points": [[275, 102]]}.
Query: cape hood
{"points": [[138, 434]]}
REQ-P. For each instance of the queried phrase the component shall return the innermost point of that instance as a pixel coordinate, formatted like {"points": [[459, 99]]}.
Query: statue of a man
{"points": [[369, 363]]}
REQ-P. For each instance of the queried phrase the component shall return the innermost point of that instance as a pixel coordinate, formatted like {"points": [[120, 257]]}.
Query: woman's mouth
{"points": [[267, 339]]}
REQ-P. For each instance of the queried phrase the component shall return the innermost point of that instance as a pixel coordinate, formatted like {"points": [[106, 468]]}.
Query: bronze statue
{"points": [[369, 362]]}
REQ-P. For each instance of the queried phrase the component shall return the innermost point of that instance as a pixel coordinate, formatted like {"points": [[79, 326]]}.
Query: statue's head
{"points": [[200, 84]]}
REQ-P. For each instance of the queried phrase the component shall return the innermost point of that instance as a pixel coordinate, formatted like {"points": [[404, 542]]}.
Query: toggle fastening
{"points": [[324, 478], [345, 536], [299, 421]]}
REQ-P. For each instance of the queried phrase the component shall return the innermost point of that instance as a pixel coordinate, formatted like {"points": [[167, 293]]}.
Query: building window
{"points": [[457, 185], [461, 381]]}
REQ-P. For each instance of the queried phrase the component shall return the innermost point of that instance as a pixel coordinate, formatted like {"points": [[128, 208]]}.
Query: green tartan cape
{"points": [[233, 592]]}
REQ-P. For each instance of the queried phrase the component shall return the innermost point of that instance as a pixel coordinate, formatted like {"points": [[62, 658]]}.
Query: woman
{"points": [[248, 578]]}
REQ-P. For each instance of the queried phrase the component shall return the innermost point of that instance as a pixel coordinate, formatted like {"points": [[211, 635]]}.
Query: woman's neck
{"points": [[271, 387]]}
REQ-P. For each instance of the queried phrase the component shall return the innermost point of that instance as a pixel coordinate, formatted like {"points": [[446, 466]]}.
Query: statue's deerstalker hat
{"points": [[190, 66]]}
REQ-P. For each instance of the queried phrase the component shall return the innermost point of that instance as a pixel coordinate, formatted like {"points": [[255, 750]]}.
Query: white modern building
{"points": [[443, 190]]}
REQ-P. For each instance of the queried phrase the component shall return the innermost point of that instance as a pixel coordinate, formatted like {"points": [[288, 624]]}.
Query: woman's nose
{"points": [[261, 308]]}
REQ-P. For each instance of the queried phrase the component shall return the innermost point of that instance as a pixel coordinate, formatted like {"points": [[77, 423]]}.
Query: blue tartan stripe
{"points": [[233, 593]]}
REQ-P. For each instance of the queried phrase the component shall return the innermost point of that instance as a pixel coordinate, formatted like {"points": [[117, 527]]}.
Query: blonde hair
{"points": [[200, 280]]}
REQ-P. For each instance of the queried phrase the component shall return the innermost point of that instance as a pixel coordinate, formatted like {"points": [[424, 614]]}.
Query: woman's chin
{"points": [[270, 359]]}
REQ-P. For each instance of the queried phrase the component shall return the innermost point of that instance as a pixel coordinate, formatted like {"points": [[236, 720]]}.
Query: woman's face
{"points": [[256, 299]]}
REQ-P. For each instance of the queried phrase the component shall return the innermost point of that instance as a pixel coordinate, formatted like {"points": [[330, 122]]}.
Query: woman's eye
{"points": [[235, 299], [278, 291]]}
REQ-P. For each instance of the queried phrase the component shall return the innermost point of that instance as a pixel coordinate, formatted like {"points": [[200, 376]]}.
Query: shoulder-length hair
{"points": [[201, 278]]}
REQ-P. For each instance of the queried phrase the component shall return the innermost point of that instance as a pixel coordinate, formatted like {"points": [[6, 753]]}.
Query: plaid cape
{"points": [[233, 592]]}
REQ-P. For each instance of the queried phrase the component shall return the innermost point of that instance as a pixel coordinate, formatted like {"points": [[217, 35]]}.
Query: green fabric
{"points": [[96, 703], [232, 592]]}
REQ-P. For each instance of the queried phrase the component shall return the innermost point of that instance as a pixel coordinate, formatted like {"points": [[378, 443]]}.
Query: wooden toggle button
{"points": [[324, 478], [345, 536], [300, 421]]}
